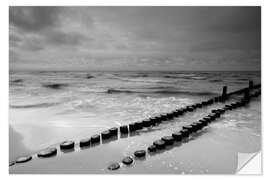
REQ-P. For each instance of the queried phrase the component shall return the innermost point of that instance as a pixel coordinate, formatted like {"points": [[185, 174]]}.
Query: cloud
{"points": [[135, 38], [33, 19], [228, 19], [63, 38], [14, 40], [237, 43]]}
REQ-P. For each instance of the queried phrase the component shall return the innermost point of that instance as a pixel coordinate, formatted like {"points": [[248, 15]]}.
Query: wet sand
{"points": [[213, 151], [16, 146]]}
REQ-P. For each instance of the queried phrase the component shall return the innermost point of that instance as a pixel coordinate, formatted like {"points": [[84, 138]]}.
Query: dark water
{"points": [[44, 89]]}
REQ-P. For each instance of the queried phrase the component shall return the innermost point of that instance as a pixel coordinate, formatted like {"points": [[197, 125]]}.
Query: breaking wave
{"points": [[114, 91], [39, 105], [55, 85]]}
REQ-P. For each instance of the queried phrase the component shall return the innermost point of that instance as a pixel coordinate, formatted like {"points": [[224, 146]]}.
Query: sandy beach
{"points": [[212, 151]]}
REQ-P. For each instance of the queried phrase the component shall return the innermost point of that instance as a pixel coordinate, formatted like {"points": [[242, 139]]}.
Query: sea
{"points": [[48, 107]]}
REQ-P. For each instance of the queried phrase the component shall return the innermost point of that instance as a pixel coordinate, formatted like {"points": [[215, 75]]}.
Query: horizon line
{"points": [[134, 70]]}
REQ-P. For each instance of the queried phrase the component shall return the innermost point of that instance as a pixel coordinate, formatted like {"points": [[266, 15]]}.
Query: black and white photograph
{"points": [[134, 89]]}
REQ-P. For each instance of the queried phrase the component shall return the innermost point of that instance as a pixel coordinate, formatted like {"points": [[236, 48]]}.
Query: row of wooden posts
{"points": [[132, 127], [181, 136]]}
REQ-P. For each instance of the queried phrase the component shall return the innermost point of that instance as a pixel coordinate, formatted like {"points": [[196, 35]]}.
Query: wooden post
{"points": [[224, 92], [250, 84], [246, 95]]}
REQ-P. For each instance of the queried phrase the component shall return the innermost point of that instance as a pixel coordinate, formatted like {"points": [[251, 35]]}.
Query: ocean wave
{"points": [[132, 75], [194, 77], [17, 81], [130, 90], [186, 77], [203, 93], [159, 87], [216, 80], [88, 76], [170, 76], [243, 79], [199, 78], [55, 85], [142, 80], [111, 91], [38, 105]]}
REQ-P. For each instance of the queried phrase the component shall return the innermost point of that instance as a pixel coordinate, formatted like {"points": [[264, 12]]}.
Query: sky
{"points": [[135, 38]]}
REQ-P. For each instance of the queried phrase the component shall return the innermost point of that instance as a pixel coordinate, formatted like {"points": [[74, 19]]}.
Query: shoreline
{"points": [[215, 151]]}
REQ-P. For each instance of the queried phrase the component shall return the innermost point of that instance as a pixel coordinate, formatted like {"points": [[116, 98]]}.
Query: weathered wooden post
{"points": [[246, 94], [224, 93], [124, 129], [250, 84]]}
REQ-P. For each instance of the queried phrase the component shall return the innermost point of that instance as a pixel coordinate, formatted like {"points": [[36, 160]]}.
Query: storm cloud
{"points": [[33, 18], [135, 38]]}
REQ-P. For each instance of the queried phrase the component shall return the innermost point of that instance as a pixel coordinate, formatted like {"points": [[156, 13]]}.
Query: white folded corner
{"points": [[249, 163]]}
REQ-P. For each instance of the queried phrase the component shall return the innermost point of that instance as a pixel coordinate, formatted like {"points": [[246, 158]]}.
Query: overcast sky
{"points": [[134, 38]]}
